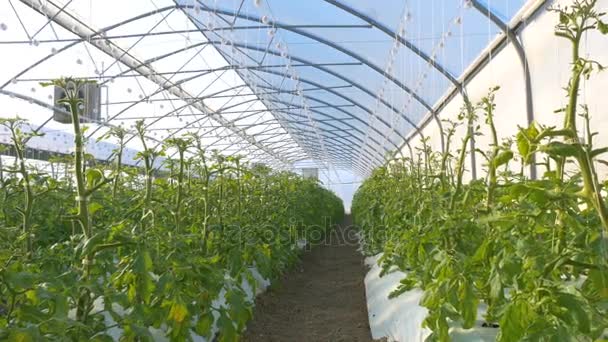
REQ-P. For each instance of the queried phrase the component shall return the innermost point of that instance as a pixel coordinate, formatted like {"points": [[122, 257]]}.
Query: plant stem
{"points": [[495, 149], [83, 217], [180, 181], [28, 194], [461, 157], [591, 190], [118, 166]]}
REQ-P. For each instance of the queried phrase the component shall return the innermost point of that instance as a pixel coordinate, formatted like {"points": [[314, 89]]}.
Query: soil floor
{"points": [[321, 299]]}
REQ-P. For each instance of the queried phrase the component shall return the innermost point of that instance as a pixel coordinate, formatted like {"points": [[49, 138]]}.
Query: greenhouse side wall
{"points": [[549, 62]]}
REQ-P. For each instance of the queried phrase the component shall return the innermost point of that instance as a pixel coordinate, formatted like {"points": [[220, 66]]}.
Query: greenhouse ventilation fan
{"points": [[91, 106]]}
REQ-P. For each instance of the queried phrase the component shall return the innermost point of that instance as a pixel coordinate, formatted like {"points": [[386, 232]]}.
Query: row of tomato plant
{"points": [[147, 247], [534, 251]]}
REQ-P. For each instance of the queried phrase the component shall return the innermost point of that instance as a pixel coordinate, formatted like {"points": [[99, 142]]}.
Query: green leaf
{"points": [[523, 145], [20, 281], [439, 325], [178, 312], [94, 207], [227, 329], [574, 313], [524, 138], [598, 151], [144, 282], [61, 306], [240, 311], [496, 289], [204, 324], [596, 285], [481, 253], [560, 149], [431, 298], [32, 296], [405, 284], [468, 304], [24, 335], [563, 18], [602, 27], [102, 338], [503, 158], [143, 262], [515, 320], [94, 176], [92, 242]]}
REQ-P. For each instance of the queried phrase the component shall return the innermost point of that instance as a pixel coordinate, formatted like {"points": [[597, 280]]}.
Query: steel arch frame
{"points": [[368, 160], [329, 71], [355, 103], [521, 54], [374, 23], [314, 37], [303, 61], [322, 113], [329, 116], [291, 28], [348, 52], [437, 66], [76, 26], [317, 85], [151, 60]]}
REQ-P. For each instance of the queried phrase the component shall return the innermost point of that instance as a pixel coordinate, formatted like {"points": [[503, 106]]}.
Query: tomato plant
{"points": [[109, 251], [534, 251]]}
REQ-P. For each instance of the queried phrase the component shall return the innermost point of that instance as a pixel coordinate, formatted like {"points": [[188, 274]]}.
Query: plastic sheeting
{"points": [[400, 319]]}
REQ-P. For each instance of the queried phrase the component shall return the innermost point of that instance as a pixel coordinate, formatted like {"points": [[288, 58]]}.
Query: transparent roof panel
{"points": [[339, 82]]}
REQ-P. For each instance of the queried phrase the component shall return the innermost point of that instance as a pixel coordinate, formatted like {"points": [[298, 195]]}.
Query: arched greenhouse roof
{"points": [[341, 83]]}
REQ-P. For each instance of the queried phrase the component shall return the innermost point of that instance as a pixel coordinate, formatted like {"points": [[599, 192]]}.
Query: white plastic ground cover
{"points": [[260, 286], [158, 335], [400, 319], [301, 244]]}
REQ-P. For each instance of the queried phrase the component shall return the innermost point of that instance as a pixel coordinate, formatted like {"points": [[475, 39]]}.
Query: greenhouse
{"points": [[303, 170]]}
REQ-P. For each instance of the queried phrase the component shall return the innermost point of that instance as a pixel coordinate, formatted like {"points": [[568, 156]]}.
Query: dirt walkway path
{"points": [[322, 299]]}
